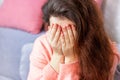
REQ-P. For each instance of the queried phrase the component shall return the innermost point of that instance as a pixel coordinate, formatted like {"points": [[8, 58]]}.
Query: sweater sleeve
{"points": [[39, 64], [69, 71]]}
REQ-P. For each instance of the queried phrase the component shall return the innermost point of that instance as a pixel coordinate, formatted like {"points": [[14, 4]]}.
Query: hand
{"points": [[54, 38], [68, 37]]}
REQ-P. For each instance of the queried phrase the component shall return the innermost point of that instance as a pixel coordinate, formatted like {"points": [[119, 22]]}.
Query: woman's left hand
{"points": [[68, 43]]}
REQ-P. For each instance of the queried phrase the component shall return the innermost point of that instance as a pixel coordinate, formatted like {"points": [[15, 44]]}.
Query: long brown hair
{"points": [[93, 47]]}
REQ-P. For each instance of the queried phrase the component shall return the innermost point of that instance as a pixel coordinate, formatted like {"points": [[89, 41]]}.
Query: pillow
{"points": [[117, 73], [1, 1], [22, 14], [24, 61], [111, 12]]}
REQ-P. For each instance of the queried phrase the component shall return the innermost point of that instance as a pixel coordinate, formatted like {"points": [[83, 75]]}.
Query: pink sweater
{"points": [[41, 70]]}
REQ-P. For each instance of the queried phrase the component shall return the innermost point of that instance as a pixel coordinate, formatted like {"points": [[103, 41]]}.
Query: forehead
{"points": [[60, 21]]}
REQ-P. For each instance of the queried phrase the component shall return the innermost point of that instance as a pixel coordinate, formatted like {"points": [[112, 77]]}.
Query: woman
{"points": [[75, 46]]}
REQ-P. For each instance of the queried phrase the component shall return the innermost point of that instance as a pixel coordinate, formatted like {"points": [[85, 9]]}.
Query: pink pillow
{"points": [[22, 14]]}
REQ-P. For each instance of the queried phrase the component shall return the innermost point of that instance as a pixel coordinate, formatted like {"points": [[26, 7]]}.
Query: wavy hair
{"points": [[93, 46]]}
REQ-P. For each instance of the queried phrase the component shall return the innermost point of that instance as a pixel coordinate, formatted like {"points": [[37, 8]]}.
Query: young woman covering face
{"points": [[75, 47]]}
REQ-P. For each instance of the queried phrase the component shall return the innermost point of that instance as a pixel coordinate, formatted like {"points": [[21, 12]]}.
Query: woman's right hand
{"points": [[53, 37]]}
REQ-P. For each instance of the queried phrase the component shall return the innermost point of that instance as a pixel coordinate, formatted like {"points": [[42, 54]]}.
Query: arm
{"points": [[70, 70], [40, 69]]}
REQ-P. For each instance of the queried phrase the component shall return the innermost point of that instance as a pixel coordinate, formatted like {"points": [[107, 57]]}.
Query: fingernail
{"points": [[60, 28], [52, 25], [64, 28], [61, 32], [55, 26], [69, 26], [73, 27]]}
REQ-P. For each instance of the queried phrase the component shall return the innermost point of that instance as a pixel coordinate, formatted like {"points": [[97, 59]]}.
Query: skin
{"points": [[61, 36]]}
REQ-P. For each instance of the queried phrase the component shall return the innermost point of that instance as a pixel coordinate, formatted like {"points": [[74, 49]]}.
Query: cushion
{"points": [[117, 73], [5, 78], [111, 13], [22, 14], [1, 1], [24, 62]]}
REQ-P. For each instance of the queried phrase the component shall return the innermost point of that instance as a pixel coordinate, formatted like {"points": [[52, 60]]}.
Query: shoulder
{"points": [[42, 46], [41, 38], [38, 44], [42, 41], [40, 54]]}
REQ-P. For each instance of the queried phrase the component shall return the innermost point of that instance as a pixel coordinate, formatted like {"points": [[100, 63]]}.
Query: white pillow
{"points": [[118, 45], [112, 19], [24, 62], [1, 1]]}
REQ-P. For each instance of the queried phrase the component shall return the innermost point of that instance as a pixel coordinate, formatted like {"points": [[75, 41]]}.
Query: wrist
{"points": [[56, 60], [71, 59]]}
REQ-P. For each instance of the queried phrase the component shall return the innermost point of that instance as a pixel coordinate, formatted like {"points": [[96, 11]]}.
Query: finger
{"points": [[74, 31], [49, 30], [62, 39], [59, 44], [57, 35], [66, 37], [53, 31], [70, 33], [48, 34], [50, 27]]}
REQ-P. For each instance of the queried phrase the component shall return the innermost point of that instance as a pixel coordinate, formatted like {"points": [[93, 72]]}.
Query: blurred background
{"points": [[21, 23]]}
